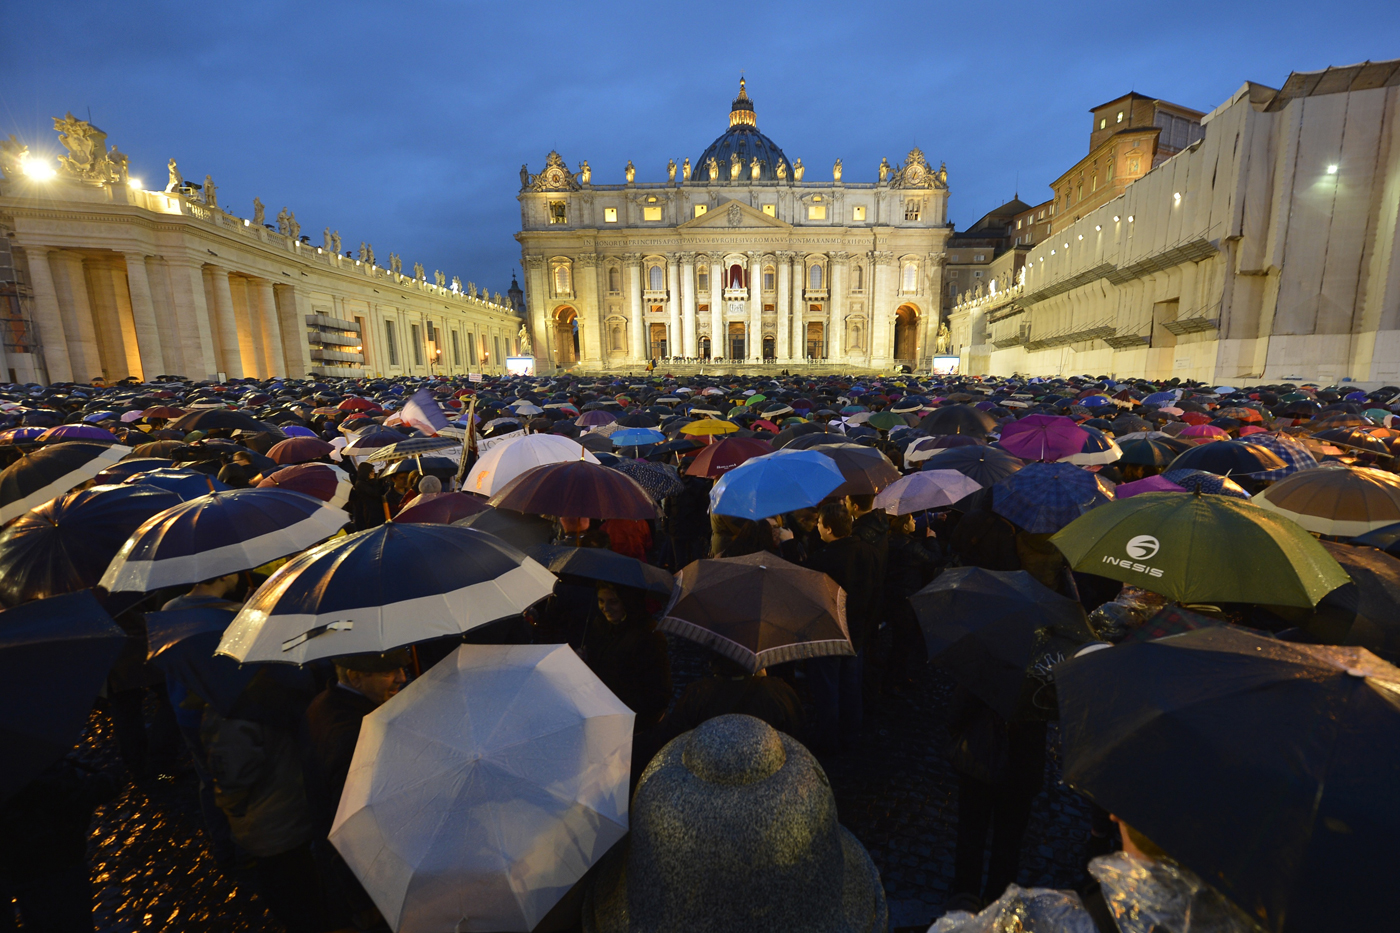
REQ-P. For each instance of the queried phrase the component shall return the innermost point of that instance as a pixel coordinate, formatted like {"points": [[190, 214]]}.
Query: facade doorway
{"points": [[816, 341], [736, 341], [770, 348], [906, 333], [565, 336], [658, 342], [704, 348]]}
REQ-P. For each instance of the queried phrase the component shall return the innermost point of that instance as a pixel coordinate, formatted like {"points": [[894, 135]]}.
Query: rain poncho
{"points": [[1142, 896]]}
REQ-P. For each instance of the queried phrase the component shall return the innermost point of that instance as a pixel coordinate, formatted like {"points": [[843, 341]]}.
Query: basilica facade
{"points": [[739, 258]]}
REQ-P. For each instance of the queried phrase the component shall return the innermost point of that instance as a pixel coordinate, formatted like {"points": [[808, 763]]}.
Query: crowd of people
{"points": [[273, 766]]}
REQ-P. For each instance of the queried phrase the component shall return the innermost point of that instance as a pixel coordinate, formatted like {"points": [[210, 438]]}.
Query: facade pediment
{"points": [[734, 215]]}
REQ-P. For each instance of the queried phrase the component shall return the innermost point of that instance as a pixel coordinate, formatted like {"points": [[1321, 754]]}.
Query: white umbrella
{"points": [[928, 489], [503, 463], [485, 789]]}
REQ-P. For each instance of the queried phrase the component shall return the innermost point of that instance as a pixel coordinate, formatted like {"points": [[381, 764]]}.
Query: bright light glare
{"points": [[134, 183], [38, 169], [1331, 170]]}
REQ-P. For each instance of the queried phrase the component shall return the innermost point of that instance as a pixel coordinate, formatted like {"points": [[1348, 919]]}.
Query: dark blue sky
{"points": [[405, 124]]}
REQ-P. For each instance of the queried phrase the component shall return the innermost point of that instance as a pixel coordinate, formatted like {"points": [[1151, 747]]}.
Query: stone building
{"points": [[736, 256], [101, 277], [1266, 251]]}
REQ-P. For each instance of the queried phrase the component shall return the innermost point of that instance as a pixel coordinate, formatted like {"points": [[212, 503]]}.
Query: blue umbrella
{"points": [[187, 484], [1291, 452], [1159, 398], [1201, 481], [636, 437], [181, 643], [772, 484], [296, 430], [1044, 497], [99, 416]]}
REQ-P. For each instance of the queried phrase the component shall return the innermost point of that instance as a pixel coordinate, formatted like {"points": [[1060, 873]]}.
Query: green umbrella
{"points": [[885, 420], [755, 399], [1195, 548]]}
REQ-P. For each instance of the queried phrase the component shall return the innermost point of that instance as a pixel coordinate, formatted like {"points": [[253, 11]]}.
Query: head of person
{"points": [[619, 604], [226, 587], [834, 521], [364, 473], [802, 520], [429, 485], [902, 524], [573, 526], [378, 677], [861, 503]]}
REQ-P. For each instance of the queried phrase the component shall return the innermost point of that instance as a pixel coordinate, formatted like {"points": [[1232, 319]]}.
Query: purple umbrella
{"points": [[1148, 484], [77, 432], [1043, 437], [296, 430], [591, 419]]}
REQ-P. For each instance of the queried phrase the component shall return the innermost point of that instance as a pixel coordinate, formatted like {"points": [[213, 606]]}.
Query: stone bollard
{"points": [[734, 831]]}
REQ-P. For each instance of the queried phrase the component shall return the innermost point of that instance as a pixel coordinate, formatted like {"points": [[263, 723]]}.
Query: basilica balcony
{"points": [[814, 294], [736, 294], [655, 294]]}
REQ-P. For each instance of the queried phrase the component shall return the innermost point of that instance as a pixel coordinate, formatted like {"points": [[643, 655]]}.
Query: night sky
{"points": [[405, 124]]}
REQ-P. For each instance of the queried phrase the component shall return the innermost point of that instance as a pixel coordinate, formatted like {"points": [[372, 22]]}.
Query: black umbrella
{"points": [[51, 471], [958, 419], [210, 419], [1152, 451], [1000, 633], [514, 528], [787, 435], [56, 653], [181, 643], [1386, 538], [986, 465], [593, 563], [125, 469], [1229, 458], [1364, 612], [1267, 768], [67, 543]]}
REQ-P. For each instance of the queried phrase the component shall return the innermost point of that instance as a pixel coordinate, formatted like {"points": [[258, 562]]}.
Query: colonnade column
{"points": [[47, 317], [719, 335], [882, 306], [754, 340], [836, 304], [536, 291], [143, 315], [634, 306], [70, 285], [690, 343], [229, 353], [293, 307], [589, 308], [192, 311], [673, 307], [933, 317], [784, 306], [271, 327]]}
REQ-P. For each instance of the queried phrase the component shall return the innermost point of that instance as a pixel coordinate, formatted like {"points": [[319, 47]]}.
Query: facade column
{"points": [[292, 309], [673, 307], [192, 311], [589, 309], [753, 340], [784, 306], [271, 327], [719, 334], [143, 316], [70, 283], [689, 339], [933, 317], [171, 344], [47, 317], [836, 305], [639, 350], [882, 307], [112, 317], [536, 291], [230, 358], [244, 315]]}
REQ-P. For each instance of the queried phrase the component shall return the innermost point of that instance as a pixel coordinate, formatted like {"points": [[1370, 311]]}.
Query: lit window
{"points": [[1018, 224], [563, 283], [609, 215], [771, 210], [816, 197], [700, 209], [858, 214], [911, 277], [1103, 122], [816, 212], [651, 200], [651, 213], [911, 210], [980, 257], [1120, 117], [558, 212]]}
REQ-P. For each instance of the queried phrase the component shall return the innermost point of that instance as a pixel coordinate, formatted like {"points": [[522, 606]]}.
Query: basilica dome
{"points": [[743, 139]]}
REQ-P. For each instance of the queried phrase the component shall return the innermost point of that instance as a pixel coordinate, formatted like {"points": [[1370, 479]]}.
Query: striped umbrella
{"points": [[411, 447], [382, 589], [1206, 482], [51, 471], [187, 484], [1343, 501], [218, 534]]}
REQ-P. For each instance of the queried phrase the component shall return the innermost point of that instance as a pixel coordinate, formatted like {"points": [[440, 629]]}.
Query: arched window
{"points": [[859, 278], [911, 277], [736, 276], [769, 278], [562, 283], [614, 280], [814, 277], [656, 278]]}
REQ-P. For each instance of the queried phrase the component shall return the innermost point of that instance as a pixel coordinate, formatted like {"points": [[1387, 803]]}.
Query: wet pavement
{"points": [[152, 871]]}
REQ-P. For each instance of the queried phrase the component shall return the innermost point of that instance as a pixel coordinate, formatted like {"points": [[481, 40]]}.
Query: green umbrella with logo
{"points": [[1196, 548]]}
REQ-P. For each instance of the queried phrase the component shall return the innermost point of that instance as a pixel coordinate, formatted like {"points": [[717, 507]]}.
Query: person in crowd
{"points": [[367, 498], [622, 646], [912, 561]]}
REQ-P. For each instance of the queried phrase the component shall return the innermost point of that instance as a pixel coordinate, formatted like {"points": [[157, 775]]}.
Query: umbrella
{"points": [[1000, 633], [442, 509], [510, 458], [1342, 501], [783, 481], [985, 465], [51, 471], [958, 419], [636, 437], [1293, 454], [1043, 437], [1188, 548], [1152, 451], [410, 448], [593, 563], [77, 432], [658, 480], [803, 428], [724, 455], [1147, 484], [759, 610], [930, 489], [1044, 497], [1229, 458], [482, 792], [1265, 767], [577, 489], [218, 534], [20, 435], [709, 426], [1386, 539], [320, 480], [67, 543], [120, 472], [592, 419], [1098, 449], [210, 419], [866, 470], [299, 450], [1365, 612], [885, 420], [187, 484], [1201, 481], [381, 589], [181, 643], [523, 532], [1350, 438], [56, 655], [355, 403], [1206, 431]]}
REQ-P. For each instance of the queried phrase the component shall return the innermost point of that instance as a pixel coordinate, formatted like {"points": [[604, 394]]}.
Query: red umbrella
{"points": [[358, 404], [321, 480], [576, 489], [722, 456], [441, 509], [1195, 417], [162, 411], [299, 450]]}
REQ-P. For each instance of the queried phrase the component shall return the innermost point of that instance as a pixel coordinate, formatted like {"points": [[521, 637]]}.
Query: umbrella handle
{"points": [[387, 516]]}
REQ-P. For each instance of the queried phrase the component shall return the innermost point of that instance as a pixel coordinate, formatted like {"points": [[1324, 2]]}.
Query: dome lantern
{"points": [[741, 113]]}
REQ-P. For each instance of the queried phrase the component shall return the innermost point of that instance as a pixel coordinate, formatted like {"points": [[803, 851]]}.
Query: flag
{"points": [[421, 412]]}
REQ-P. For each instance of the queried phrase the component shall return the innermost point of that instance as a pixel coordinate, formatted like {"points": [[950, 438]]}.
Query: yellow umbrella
{"points": [[710, 426]]}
